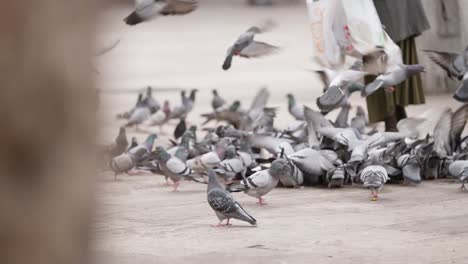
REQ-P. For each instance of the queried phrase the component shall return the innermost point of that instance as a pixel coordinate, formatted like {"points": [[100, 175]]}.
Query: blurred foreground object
{"points": [[48, 104]]}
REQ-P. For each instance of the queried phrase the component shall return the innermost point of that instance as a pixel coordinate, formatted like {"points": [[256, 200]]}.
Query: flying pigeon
{"points": [[146, 10], [394, 76], [223, 203], [456, 66], [245, 45]]}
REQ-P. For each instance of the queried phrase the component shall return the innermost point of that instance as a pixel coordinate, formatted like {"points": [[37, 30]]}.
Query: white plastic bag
{"points": [[324, 16], [348, 27]]}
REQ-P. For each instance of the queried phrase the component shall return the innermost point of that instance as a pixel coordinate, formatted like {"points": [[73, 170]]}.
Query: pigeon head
{"points": [[122, 137], [215, 93], [220, 131], [166, 108], [193, 92], [231, 152], [149, 91], [415, 69], [222, 146], [291, 100], [150, 141], [139, 100], [235, 106], [278, 167], [161, 154], [213, 180]]}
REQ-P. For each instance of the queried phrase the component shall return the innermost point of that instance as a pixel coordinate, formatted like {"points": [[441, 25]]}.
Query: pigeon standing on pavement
{"points": [[173, 167], [180, 128], [262, 182], [459, 170], [152, 104], [223, 203], [245, 45], [217, 102], [374, 177], [140, 114]]}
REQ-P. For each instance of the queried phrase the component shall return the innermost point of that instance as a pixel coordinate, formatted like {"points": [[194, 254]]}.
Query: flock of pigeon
{"points": [[245, 152]]}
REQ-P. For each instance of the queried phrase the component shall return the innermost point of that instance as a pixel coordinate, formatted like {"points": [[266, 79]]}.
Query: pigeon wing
{"points": [[258, 49]]}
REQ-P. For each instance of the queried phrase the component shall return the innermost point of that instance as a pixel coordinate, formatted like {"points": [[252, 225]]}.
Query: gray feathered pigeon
{"points": [[173, 167], [374, 177], [262, 182], [340, 89], [245, 45], [448, 130], [139, 115], [232, 165], [211, 159], [224, 204], [453, 63], [343, 116], [297, 111], [459, 169], [394, 76], [146, 10], [217, 102], [312, 163], [151, 103], [456, 66], [127, 161]]}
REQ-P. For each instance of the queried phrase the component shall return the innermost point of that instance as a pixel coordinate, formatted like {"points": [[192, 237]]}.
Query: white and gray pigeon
{"points": [[146, 10], [343, 116], [245, 45], [374, 177], [151, 103], [394, 76], [262, 182], [184, 108], [410, 168], [459, 169], [296, 110], [360, 121], [173, 167], [312, 163], [448, 130], [223, 203], [211, 159], [231, 165], [217, 102], [293, 177], [134, 156], [456, 66], [339, 89], [140, 114]]}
